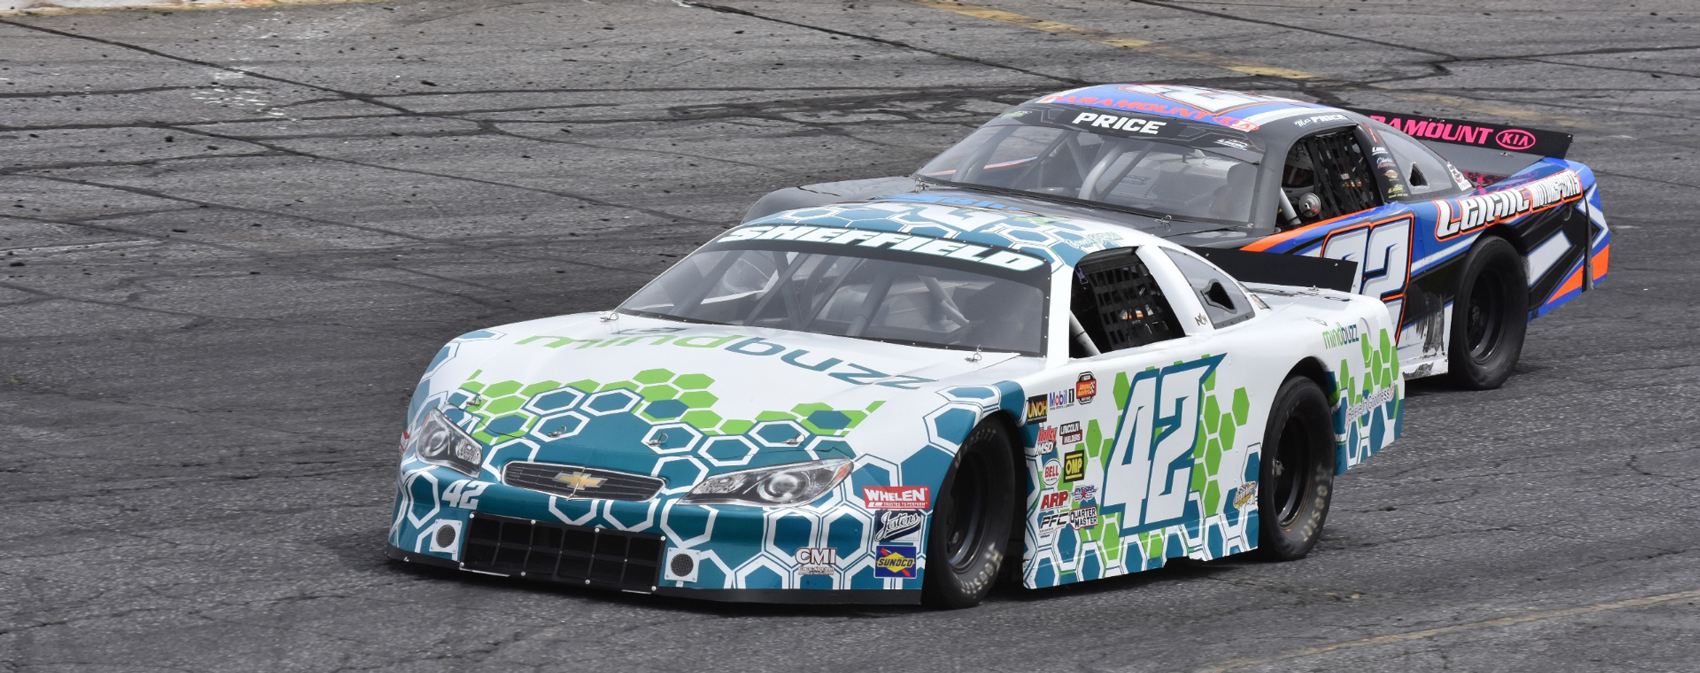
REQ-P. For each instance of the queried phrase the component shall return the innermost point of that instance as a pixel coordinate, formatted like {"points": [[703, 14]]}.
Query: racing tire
{"points": [[1295, 477], [1489, 317], [972, 519]]}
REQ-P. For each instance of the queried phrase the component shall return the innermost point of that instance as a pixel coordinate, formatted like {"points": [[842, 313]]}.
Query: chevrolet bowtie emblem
{"points": [[579, 480]]}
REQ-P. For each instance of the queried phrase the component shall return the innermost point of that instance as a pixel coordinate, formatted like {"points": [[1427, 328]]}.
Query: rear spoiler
{"points": [[1278, 269], [1485, 152]]}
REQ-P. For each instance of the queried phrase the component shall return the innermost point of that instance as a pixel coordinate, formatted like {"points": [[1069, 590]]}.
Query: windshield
{"points": [[1144, 164], [910, 295]]}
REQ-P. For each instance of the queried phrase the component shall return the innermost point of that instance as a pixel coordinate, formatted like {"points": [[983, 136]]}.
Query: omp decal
{"points": [[847, 372], [1148, 477], [1457, 216]]}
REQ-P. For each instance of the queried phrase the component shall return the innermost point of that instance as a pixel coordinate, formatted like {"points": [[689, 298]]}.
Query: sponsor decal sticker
{"points": [[1085, 493], [1318, 119], [1038, 408], [1053, 471], [1071, 433], [894, 561], [902, 526], [1085, 388], [817, 560], [1053, 499], [1061, 399], [897, 497], [1369, 402], [1110, 122], [1053, 520], [1083, 517], [1244, 494], [1074, 465], [868, 238], [1341, 335], [1454, 217], [1047, 440]]}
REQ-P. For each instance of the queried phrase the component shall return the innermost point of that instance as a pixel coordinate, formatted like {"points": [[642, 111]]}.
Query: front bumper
{"points": [[823, 553]]}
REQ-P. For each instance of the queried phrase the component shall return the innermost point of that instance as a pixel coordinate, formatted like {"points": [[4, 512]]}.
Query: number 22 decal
{"points": [[1383, 253]]}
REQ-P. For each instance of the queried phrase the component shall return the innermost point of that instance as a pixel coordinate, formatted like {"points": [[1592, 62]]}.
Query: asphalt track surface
{"points": [[232, 239]]}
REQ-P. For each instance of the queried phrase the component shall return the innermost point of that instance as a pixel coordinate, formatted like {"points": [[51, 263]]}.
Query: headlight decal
{"points": [[439, 441], [774, 486]]}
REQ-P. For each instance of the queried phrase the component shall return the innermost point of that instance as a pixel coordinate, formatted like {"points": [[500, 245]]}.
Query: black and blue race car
{"points": [[1466, 231]]}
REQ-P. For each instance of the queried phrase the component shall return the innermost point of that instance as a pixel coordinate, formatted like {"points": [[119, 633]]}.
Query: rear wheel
{"points": [[1295, 478], [972, 520], [1489, 316]]}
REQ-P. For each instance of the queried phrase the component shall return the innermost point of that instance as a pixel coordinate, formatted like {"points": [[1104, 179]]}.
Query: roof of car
{"points": [[1243, 111], [1059, 240]]}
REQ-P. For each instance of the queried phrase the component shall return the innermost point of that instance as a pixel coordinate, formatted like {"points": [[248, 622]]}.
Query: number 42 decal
{"points": [[464, 494]]}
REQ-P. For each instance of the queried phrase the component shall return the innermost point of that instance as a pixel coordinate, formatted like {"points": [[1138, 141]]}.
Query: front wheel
{"points": [[1489, 316], [972, 520], [1295, 478]]}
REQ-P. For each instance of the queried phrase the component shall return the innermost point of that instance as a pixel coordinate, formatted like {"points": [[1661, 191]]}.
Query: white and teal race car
{"points": [[890, 402]]}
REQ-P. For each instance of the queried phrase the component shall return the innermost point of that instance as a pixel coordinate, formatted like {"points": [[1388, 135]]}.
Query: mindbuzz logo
{"points": [[1340, 335]]}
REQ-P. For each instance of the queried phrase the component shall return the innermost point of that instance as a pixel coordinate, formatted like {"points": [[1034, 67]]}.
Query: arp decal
{"points": [[1150, 471]]}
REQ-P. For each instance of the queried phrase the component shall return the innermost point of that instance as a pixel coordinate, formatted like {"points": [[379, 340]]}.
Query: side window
{"points": [[1118, 305], [1327, 175], [1223, 301], [1424, 170]]}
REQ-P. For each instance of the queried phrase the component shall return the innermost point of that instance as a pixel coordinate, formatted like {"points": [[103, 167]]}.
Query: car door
{"points": [[1119, 462]]}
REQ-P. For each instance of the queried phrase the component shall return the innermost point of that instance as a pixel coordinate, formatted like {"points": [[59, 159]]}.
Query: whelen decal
{"points": [[1457, 216], [864, 238], [897, 497]]}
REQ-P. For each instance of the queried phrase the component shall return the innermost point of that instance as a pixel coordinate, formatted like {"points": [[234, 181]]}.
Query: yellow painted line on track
{"points": [[1395, 638], [1114, 40], [1238, 65]]}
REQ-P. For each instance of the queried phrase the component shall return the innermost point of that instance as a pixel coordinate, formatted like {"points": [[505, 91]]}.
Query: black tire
{"points": [[972, 520], [1489, 316], [1295, 477]]}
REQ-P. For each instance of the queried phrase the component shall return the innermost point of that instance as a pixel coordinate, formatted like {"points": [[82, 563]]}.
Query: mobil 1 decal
{"points": [[1149, 472]]}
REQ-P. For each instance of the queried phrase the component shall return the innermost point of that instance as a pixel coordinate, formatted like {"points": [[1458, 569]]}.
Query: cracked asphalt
{"points": [[230, 240]]}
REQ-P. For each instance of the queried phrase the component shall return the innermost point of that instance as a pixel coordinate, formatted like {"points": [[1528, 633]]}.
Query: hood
{"points": [[627, 393]]}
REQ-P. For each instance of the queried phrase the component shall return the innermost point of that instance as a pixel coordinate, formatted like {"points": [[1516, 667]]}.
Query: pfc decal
{"points": [[1086, 388], [897, 497], [894, 561], [816, 560], [1074, 465], [1037, 408], [1053, 471], [1071, 433], [1053, 520], [899, 526]]}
